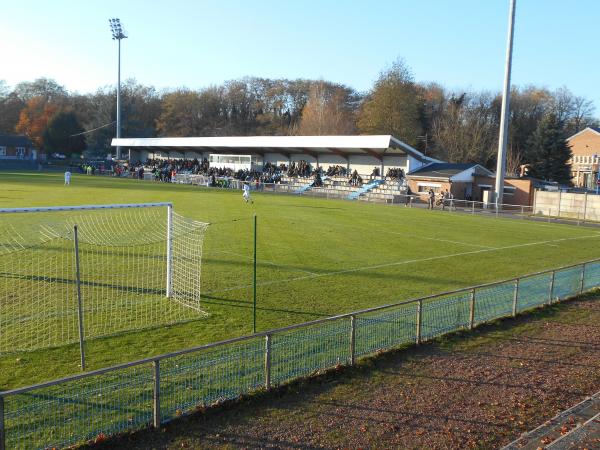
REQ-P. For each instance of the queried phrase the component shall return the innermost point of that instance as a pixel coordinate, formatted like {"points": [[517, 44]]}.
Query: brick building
{"points": [[456, 178], [585, 146], [517, 191], [17, 148], [471, 182]]}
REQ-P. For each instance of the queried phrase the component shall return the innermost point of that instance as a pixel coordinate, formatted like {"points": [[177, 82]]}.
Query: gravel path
{"points": [[480, 390]]}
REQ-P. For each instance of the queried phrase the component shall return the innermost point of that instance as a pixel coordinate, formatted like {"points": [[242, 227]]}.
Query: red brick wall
{"points": [[522, 194], [413, 184]]}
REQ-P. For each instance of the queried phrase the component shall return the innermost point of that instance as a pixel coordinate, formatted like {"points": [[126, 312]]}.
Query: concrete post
{"points": [[472, 310], [515, 298], [419, 318], [352, 339], [156, 395], [268, 361]]}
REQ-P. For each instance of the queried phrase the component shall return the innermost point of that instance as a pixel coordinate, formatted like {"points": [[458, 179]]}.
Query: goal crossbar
{"points": [[84, 207]]}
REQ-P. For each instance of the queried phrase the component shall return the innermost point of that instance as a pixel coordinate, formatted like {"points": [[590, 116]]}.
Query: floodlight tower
{"points": [[504, 115], [117, 34]]}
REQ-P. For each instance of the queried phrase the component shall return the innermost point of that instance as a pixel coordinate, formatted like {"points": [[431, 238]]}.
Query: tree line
{"points": [[455, 126]]}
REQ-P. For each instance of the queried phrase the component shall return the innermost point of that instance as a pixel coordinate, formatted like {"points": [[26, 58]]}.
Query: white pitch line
{"points": [[438, 239], [264, 261], [399, 263]]}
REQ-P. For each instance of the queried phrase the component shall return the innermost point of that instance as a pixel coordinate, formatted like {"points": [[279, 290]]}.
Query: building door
{"points": [[486, 196]]}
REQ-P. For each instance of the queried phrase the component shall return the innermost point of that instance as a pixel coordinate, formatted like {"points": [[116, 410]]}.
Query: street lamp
{"points": [[117, 34]]}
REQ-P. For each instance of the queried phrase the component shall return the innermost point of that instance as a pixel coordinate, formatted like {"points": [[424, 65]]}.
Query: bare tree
{"points": [[514, 160], [466, 129], [327, 111]]}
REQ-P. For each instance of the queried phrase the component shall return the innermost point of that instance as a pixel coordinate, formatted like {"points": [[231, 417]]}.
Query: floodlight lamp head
{"points": [[116, 28]]}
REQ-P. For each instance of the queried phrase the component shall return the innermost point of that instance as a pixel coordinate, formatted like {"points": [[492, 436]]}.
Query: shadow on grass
{"points": [[68, 281], [246, 304]]}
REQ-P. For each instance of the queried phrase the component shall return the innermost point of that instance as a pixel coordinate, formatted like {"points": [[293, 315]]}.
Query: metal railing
{"points": [[155, 390], [343, 191]]}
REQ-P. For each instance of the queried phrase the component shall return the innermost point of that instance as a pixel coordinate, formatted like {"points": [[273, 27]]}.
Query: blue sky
{"points": [[458, 43]]}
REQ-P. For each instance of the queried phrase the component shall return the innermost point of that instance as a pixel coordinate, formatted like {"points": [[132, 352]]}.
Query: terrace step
{"points": [[364, 189], [581, 421]]}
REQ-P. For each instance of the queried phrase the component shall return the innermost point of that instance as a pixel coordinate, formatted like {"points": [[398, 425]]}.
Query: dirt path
{"points": [[479, 391]]}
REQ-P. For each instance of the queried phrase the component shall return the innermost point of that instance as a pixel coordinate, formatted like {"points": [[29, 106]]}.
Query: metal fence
{"points": [[155, 390]]}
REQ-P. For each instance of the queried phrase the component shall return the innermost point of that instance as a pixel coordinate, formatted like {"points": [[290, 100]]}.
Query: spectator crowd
{"points": [[166, 170]]}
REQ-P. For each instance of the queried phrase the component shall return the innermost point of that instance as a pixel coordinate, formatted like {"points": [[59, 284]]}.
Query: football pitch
{"points": [[316, 258]]}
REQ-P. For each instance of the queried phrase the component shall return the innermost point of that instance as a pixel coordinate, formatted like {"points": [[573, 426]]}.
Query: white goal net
{"points": [[139, 267]]}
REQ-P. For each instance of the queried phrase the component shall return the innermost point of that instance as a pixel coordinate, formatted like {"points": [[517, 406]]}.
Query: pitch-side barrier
{"points": [[152, 391]]}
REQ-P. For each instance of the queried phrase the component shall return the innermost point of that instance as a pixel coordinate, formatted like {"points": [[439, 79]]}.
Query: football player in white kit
{"points": [[67, 178], [246, 193]]}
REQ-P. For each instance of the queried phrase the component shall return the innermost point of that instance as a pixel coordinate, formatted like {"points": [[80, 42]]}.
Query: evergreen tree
{"points": [[549, 151], [59, 135]]}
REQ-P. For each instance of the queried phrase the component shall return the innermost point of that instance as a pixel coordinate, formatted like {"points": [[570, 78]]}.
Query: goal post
{"points": [[140, 267], [168, 288]]}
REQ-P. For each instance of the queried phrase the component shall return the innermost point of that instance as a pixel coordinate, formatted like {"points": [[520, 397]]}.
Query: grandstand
{"points": [[353, 167], [360, 153]]}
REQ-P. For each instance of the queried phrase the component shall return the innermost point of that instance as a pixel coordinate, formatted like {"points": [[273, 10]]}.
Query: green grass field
{"points": [[316, 258]]}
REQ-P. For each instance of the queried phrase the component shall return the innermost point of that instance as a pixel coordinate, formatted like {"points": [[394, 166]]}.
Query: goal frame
{"points": [[168, 205]]}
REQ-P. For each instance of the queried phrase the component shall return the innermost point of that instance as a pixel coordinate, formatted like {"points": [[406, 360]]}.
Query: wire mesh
{"points": [[211, 375], [567, 282], [303, 351], [591, 277], [70, 412], [123, 261], [534, 291], [67, 414], [385, 329], [493, 302], [445, 314]]}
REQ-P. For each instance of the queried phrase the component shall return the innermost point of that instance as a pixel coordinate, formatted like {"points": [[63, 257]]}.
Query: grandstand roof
{"points": [[375, 145], [447, 170], [15, 141]]}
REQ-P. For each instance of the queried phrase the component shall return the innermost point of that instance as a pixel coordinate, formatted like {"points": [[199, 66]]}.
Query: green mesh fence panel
{"points": [[385, 329], [122, 400], [592, 276], [303, 351], [493, 302], [212, 375], [534, 291], [445, 314], [567, 282], [76, 411]]}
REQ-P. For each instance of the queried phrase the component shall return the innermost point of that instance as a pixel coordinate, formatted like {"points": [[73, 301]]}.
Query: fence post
{"points": [[559, 198], [585, 197], [515, 298], [352, 339], [472, 207], [268, 361], [582, 285], [472, 310], [2, 430], [79, 299], [156, 395], [419, 319], [551, 287]]}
